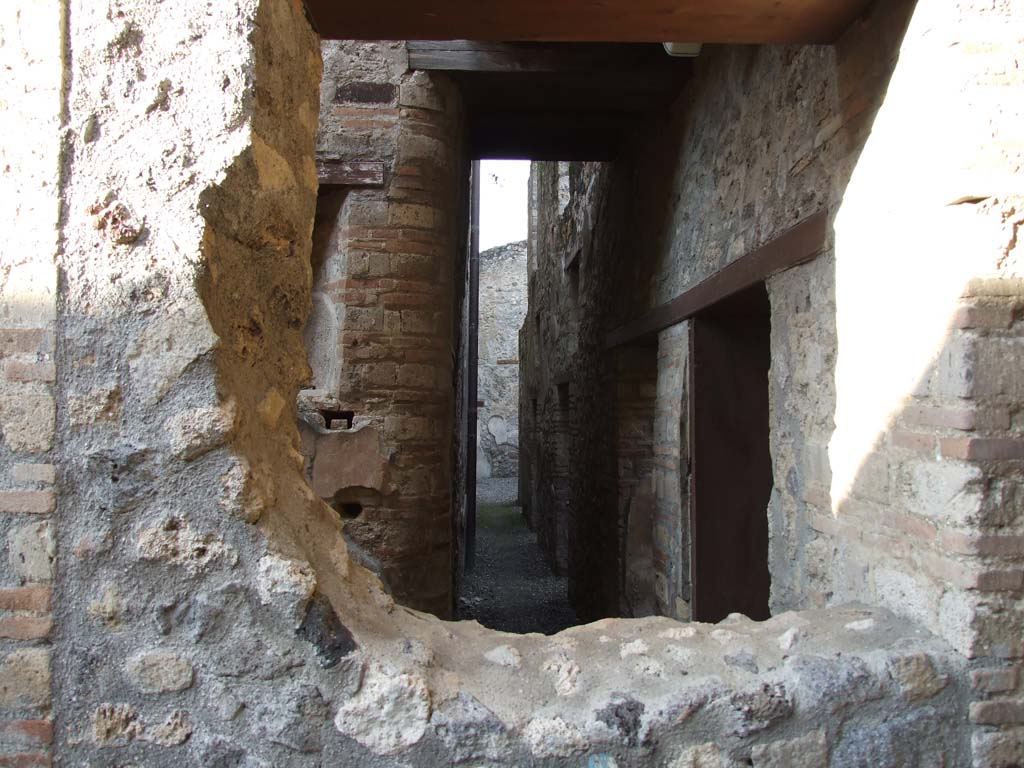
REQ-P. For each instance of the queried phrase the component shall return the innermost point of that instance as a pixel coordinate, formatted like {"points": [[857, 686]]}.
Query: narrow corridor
{"points": [[511, 587]]}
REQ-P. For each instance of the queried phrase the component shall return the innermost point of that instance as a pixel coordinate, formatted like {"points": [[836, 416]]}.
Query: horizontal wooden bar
{"points": [[639, 60], [341, 173], [797, 245], [654, 21]]}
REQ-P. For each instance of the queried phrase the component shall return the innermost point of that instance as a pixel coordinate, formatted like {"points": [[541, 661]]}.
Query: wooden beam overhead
{"points": [[592, 136], [797, 245], [581, 58], [341, 173], [697, 21]]}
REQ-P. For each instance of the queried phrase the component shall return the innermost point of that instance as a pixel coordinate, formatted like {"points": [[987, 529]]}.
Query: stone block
{"points": [[349, 459], [916, 675], [947, 490], [997, 680], [389, 713], [417, 376], [955, 375], [28, 295], [420, 92], [31, 552], [159, 671], [418, 321], [28, 421], [29, 372], [28, 502], [34, 473], [26, 733], [997, 712], [25, 627], [35, 599], [701, 756], [25, 679], [982, 449], [415, 216], [25, 341], [1001, 749], [989, 315], [809, 751]]}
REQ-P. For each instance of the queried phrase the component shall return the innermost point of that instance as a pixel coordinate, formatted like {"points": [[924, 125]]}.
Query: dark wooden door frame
{"points": [[472, 358], [740, 329], [799, 244]]}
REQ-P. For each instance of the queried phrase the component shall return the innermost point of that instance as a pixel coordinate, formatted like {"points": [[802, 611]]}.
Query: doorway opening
{"points": [[731, 461], [507, 584]]}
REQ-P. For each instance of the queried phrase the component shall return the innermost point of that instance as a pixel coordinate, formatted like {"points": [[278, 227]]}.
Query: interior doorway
{"points": [[506, 582], [731, 460]]}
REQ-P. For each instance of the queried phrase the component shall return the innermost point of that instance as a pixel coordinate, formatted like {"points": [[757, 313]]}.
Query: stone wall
{"points": [[502, 312], [382, 333], [206, 607], [892, 435], [31, 115]]}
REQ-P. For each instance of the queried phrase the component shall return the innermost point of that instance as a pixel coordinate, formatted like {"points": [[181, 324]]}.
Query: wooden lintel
{"points": [[797, 245], [341, 173], [654, 21], [638, 60]]}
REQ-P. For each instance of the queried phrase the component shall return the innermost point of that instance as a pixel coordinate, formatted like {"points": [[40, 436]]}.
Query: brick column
{"points": [[31, 55], [391, 256]]}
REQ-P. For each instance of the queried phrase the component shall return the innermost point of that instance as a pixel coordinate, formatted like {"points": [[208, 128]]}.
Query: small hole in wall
{"points": [[337, 419], [350, 510], [563, 395], [572, 273]]}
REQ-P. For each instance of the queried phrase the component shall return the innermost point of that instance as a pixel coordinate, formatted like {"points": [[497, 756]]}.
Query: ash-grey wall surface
{"points": [[502, 311]]}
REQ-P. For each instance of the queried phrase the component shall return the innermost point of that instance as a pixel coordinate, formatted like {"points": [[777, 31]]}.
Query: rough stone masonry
{"points": [[176, 593]]}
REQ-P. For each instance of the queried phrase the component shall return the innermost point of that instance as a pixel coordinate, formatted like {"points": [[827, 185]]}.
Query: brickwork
{"points": [[31, 54], [386, 271]]}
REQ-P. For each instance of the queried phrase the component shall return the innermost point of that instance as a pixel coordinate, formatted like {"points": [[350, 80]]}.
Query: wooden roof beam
{"points": [[653, 21]]}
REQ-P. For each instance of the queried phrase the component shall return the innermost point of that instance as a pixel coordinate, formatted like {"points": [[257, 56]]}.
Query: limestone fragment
{"points": [[25, 679], [173, 731], [678, 633], [31, 551], [553, 737], [635, 648], [566, 672], [389, 713], [917, 676], [176, 542], [108, 607], [701, 756], [504, 656], [159, 671], [286, 584], [115, 723], [789, 638], [679, 654], [809, 751], [196, 431], [270, 408]]}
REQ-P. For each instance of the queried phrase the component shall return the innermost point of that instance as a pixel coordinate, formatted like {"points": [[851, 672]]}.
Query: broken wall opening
{"points": [[496, 699]]}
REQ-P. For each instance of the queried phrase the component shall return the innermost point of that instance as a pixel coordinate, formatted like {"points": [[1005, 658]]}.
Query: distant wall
{"points": [[502, 311]]}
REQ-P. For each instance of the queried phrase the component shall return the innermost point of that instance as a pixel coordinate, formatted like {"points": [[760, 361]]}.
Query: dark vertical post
{"points": [[473, 357]]}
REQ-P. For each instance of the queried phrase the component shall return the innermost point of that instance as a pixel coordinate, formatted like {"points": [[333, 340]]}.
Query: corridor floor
{"points": [[511, 587]]}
